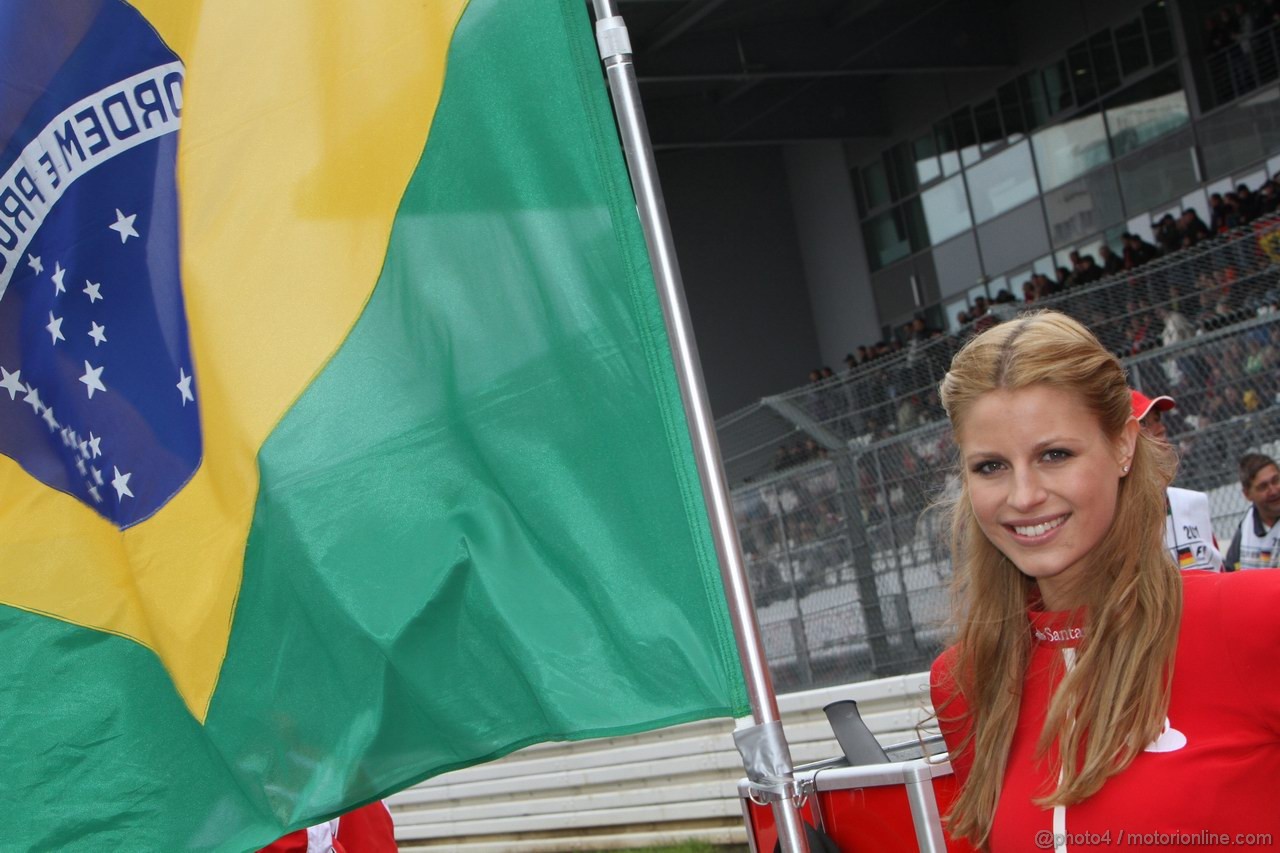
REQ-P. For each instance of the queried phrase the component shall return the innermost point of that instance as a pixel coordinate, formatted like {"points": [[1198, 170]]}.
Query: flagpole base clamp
{"points": [[768, 764], [612, 37]]}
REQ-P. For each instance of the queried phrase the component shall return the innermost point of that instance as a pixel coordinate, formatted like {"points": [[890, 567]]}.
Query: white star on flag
{"points": [[98, 333], [97, 475], [93, 444], [121, 484], [84, 472], [66, 437], [33, 397], [92, 379], [84, 449], [93, 290], [184, 387], [124, 225], [48, 418], [11, 384], [97, 498], [58, 273], [55, 328], [33, 261]]}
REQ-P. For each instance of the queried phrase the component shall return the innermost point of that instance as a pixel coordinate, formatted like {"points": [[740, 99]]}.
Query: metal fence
{"points": [[849, 565], [1249, 61]]}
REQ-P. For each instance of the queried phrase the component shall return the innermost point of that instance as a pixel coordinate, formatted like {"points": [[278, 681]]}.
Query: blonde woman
{"points": [[1095, 696]]}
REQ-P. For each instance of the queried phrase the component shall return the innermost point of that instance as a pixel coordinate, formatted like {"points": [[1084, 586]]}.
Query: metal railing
{"points": [[848, 565], [1251, 60]]}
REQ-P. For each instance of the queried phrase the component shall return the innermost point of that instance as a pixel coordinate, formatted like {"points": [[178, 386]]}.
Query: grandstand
{"points": [[848, 566]]}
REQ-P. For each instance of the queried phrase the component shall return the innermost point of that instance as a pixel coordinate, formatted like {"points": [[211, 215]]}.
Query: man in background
{"points": [[1188, 532], [1255, 544]]}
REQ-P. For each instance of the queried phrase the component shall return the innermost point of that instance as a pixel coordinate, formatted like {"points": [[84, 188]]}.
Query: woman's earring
{"points": [[1125, 470]]}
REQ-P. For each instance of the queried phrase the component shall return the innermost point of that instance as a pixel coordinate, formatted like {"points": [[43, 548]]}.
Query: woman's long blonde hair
{"points": [[1113, 702]]}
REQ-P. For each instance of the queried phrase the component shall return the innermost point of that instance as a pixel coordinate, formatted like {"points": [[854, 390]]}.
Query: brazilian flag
{"points": [[340, 442]]}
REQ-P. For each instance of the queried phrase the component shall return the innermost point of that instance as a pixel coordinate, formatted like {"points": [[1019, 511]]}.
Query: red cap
{"points": [[1142, 404]]}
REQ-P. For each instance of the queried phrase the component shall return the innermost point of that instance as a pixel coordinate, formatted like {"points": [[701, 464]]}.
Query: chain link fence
{"points": [[847, 556]]}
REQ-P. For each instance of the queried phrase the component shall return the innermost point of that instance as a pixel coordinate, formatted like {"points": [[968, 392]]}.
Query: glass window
{"points": [[966, 136], [954, 309], [1002, 182], [1057, 87], [948, 154], [1131, 44], [1014, 239], [986, 116], [902, 171], [1199, 202], [1221, 187], [1011, 111], [917, 229], [946, 211], [1146, 111], [1162, 172], [1035, 104], [1229, 140], [1141, 226], [1046, 266], [875, 184], [926, 154], [1265, 111], [1066, 151], [886, 239], [1159, 35], [1273, 166], [1253, 180], [1106, 68], [1080, 64], [1083, 207]]}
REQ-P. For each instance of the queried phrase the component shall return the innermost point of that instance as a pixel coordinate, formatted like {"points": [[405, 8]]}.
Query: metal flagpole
{"points": [[764, 748]]}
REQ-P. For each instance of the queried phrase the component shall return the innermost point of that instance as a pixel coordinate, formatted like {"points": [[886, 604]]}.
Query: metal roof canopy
{"points": [[743, 72]]}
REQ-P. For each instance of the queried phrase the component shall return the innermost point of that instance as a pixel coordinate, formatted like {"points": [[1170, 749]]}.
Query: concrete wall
{"points": [[831, 246], [744, 276]]}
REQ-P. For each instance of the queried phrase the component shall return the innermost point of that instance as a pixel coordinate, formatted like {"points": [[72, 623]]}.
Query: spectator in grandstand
{"points": [[1081, 716], [1222, 218], [1085, 268], [1141, 335], [1175, 327], [1188, 529], [1269, 197], [1004, 306], [1064, 280], [1111, 262], [1256, 544], [1168, 237], [1137, 251], [1191, 229], [1221, 29], [1247, 204]]}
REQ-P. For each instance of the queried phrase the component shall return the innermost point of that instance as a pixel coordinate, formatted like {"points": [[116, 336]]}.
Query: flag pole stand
{"points": [[765, 752]]}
